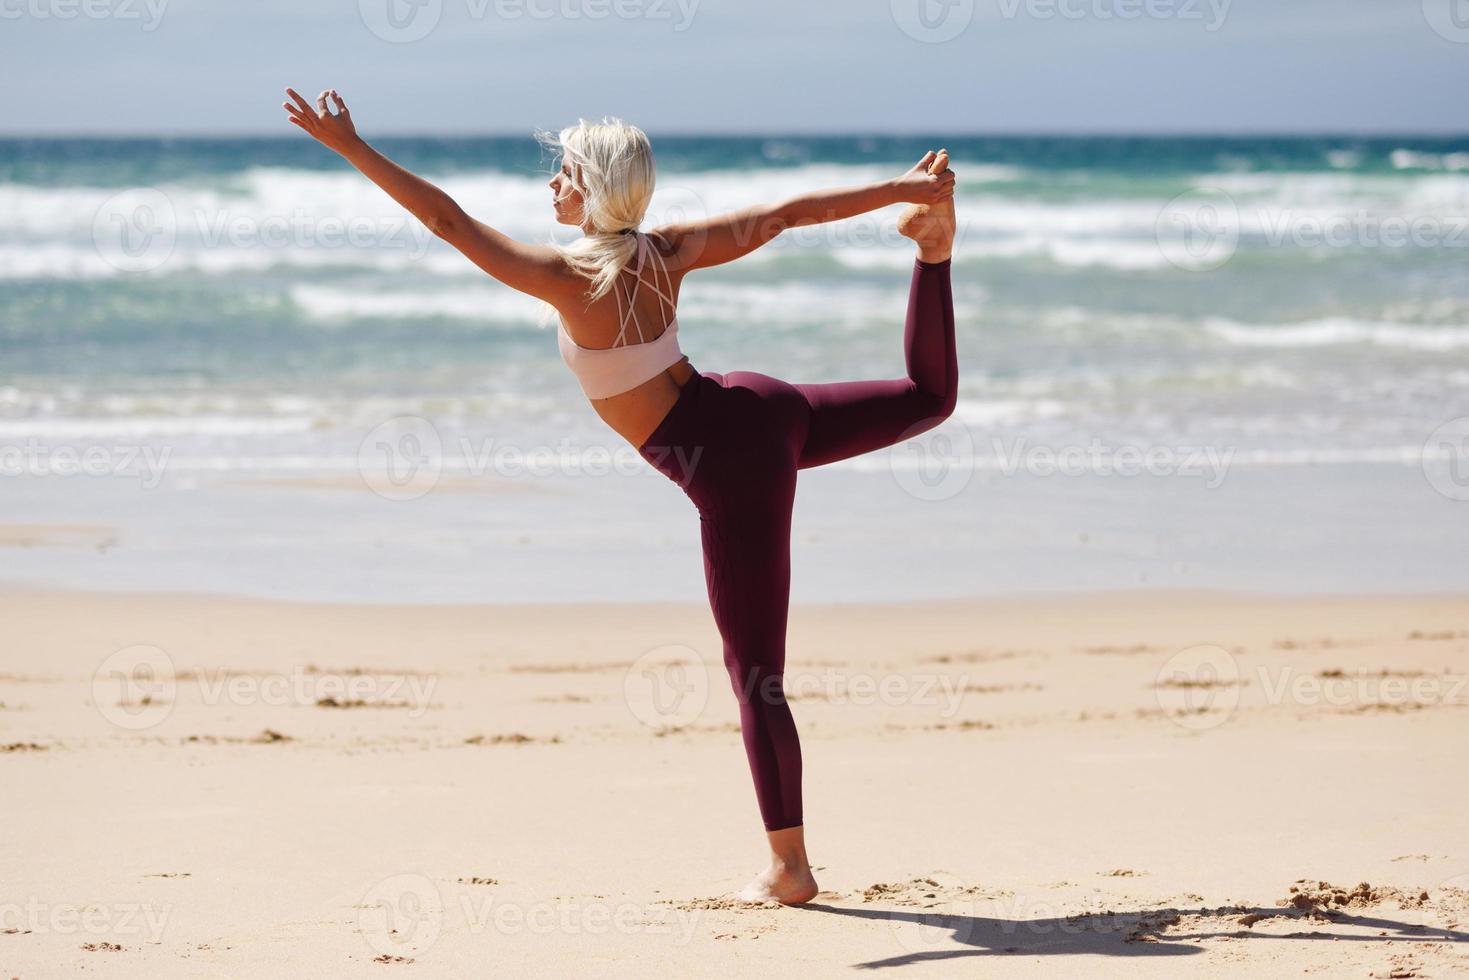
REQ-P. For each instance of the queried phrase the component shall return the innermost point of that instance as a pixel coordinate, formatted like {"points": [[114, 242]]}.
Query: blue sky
{"points": [[507, 66]]}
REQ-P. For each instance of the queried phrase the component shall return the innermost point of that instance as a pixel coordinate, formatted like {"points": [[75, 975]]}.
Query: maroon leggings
{"points": [[733, 443]]}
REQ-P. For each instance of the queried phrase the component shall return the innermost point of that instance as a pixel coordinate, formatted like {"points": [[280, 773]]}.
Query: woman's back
{"points": [[623, 347]]}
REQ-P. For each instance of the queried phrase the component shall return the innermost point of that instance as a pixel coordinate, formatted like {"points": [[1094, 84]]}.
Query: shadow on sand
{"points": [[1142, 933]]}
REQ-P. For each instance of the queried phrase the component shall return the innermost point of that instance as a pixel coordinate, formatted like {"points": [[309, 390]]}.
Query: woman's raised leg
{"points": [[849, 418]]}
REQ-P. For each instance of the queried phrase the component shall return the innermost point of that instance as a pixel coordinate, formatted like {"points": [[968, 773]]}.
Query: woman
{"points": [[732, 442]]}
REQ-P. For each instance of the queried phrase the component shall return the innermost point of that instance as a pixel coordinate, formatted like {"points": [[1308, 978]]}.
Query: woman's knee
{"points": [[934, 406], [756, 684]]}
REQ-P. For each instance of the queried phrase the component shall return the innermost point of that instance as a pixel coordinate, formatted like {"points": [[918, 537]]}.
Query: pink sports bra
{"points": [[607, 371]]}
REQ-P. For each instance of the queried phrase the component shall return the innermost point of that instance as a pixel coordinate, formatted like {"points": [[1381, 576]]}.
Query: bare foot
{"points": [[779, 883], [931, 225]]}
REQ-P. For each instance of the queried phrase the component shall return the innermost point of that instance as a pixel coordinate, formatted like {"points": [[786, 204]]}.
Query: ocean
{"points": [[1178, 355]]}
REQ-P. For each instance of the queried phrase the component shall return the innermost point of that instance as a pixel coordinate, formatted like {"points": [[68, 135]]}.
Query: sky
{"points": [[206, 67]]}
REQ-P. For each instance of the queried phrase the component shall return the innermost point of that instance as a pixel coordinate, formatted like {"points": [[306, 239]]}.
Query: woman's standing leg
{"points": [[742, 433]]}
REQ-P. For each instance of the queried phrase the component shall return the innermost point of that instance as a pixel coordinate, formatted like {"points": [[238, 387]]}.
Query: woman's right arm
{"points": [[714, 241], [534, 269]]}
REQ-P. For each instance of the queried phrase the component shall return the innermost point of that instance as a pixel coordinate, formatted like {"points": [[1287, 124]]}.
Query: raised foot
{"points": [[788, 886], [931, 226]]}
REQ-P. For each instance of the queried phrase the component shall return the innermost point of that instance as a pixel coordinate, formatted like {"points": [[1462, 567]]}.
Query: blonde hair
{"points": [[611, 166]]}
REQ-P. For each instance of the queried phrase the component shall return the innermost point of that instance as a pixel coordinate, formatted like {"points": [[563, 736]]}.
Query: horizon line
{"points": [[784, 133]]}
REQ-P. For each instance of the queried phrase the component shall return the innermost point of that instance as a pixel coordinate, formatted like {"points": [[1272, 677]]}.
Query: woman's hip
{"points": [[737, 426]]}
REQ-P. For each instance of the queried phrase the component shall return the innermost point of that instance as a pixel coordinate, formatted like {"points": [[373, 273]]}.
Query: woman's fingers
{"points": [[294, 112], [304, 105], [337, 100], [321, 104]]}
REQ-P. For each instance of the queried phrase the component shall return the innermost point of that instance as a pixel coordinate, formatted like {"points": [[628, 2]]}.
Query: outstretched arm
{"points": [[714, 241], [533, 269]]}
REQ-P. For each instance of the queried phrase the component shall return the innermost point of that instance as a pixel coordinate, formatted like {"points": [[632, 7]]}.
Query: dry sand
{"points": [[1120, 785]]}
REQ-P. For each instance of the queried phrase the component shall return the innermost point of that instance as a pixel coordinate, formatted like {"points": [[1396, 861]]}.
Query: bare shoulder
{"points": [[565, 286], [675, 244]]}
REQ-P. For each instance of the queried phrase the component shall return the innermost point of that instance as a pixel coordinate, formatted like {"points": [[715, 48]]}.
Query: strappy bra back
{"points": [[607, 371]]}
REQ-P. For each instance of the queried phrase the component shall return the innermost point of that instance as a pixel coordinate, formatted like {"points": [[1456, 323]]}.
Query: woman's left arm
{"points": [[714, 241], [534, 269]]}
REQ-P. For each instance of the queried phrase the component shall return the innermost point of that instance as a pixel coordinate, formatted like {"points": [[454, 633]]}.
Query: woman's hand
{"points": [[929, 182], [335, 132]]}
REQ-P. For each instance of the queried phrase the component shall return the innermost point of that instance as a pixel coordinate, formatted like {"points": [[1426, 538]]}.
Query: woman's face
{"points": [[566, 199]]}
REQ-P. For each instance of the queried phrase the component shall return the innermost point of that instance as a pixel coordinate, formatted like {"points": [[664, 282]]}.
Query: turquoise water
{"points": [[256, 304]]}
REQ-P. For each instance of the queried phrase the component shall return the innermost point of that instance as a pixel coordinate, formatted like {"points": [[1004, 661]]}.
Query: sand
{"points": [[1139, 784]]}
